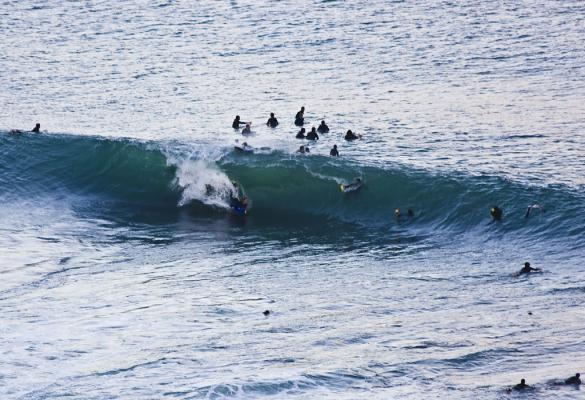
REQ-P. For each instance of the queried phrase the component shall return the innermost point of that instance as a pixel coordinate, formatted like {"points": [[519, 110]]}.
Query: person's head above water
{"points": [[526, 264], [335, 146], [303, 130], [271, 115], [323, 122], [313, 130], [237, 117], [349, 132], [496, 212], [303, 109]]}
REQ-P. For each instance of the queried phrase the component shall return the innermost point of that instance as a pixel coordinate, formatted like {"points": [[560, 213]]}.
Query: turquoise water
{"points": [[125, 275]]}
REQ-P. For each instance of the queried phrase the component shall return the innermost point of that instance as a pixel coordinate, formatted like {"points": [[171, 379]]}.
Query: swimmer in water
{"points": [[496, 213], [349, 135], [334, 152], [301, 150], [272, 121], [533, 207], [37, 128], [410, 213], [522, 385], [300, 117], [236, 124], [527, 269], [301, 134], [574, 380], [312, 135], [247, 130], [323, 128]]}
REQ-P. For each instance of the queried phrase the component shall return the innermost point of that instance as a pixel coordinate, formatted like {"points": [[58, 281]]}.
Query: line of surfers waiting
{"points": [[313, 134]]}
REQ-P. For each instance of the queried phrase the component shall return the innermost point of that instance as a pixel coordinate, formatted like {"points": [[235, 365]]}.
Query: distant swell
{"points": [[154, 175]]}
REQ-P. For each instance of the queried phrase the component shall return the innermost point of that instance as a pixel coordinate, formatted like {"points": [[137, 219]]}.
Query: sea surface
{"points": [[125, 275]]}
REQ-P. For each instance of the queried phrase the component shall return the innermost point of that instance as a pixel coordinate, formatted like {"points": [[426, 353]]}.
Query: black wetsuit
{"points": [[312, 135], [334, 152], [299, 119], [272, 122], [574, 380], [350, 136], [36, 129], [236, 124], [301, 134], [323, 128]]}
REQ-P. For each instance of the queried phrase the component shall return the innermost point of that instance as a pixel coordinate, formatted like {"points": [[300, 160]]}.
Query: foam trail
{"points": [[202, 181]]}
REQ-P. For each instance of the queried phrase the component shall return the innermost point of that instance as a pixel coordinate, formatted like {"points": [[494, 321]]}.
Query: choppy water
{"points": [[124, 276]]}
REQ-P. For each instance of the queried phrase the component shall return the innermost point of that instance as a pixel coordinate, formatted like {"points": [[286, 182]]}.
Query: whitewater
{"points": [[124, 274]]}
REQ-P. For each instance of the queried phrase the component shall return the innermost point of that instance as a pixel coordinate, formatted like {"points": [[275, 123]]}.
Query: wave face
{"points": [[173, 176]]}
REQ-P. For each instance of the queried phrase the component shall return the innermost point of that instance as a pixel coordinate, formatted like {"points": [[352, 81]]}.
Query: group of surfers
{"points": [[313, 134]]}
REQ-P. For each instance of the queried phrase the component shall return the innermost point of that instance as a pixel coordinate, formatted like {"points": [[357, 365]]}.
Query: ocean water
{"points": [[124, 274]]}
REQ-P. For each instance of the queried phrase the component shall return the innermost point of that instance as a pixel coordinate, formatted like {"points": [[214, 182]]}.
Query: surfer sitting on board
{"points": [[323, 128], [312, 135], [334, 152], [272, 121], [300, 117], [349, 135]]}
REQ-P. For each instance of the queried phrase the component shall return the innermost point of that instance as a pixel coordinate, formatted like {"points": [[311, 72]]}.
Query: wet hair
{"points": [[523, 381], [527, 264], [272, 115], [237, 117], [302, 130]]}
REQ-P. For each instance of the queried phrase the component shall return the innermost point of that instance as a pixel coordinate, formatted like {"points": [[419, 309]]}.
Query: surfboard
{"points": [[352, 187], [244, 149]]}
